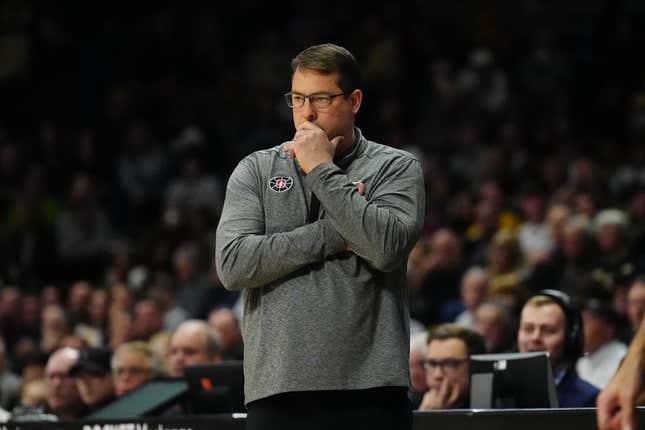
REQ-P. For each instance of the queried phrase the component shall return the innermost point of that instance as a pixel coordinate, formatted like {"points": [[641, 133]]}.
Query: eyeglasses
{"points": [[319, 101], [449, 364]]}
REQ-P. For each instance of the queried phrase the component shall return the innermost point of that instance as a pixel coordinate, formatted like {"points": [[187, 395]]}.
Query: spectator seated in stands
{"points": [[418, 379], [495, 321], [603, 351], [94, 378], [133, 364], [9, 382], [636, 302], [550, 322], [225, 323], [194, 342], [437, 269], [63, 399], [447, 366], [474, 287]]}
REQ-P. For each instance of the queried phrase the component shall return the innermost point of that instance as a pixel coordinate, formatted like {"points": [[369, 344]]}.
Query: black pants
{"points": [[386, 408]]}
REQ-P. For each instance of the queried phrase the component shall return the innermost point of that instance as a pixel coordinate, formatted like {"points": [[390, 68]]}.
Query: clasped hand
{"points": [[311, 147]]}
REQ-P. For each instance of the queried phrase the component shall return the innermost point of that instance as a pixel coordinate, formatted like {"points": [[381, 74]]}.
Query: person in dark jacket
{"points": [[550, 322]]}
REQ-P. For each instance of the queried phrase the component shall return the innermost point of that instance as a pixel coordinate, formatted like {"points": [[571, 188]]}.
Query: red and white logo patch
{"points": [[280, 184]]}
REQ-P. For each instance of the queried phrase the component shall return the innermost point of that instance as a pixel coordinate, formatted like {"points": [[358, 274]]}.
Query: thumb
{"points": [[336, 140]]}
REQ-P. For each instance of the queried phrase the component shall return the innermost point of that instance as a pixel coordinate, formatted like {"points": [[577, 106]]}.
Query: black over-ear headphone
{"points": [[574, 345]]}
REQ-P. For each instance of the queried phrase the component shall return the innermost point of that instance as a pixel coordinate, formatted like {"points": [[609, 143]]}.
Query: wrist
{"points": [[315, 164]]}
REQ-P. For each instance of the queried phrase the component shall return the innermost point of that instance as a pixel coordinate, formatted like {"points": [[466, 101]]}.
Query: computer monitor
{"points": [[215, 388], [509, 381], [150, 399]]}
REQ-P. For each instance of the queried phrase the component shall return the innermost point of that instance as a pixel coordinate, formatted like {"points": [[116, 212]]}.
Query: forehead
{"points": [[308, 81], [548, 314], [132, 356], [488, 311], [637, 291], [60, 362], [189, 337], [447, 348]]}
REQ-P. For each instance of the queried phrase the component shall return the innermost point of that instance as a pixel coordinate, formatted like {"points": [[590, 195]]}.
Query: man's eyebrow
{"points": [[317, 93]]}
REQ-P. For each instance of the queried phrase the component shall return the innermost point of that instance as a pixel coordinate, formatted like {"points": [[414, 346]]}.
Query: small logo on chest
{"points": [[280, 184]]}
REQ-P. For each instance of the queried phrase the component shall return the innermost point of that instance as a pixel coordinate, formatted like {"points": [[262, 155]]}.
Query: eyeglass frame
{"points": [[130, 371], [451, 364], [312, 97]]}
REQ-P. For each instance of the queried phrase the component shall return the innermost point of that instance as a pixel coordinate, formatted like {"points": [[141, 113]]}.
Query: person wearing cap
{"points": [[93, 376], [616, 265], [603, 352]]}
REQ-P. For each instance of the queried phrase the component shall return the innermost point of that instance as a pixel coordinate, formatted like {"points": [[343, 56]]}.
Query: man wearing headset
{"points": [[549, 322]]}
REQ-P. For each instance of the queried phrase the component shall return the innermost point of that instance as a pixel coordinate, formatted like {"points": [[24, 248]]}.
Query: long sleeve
{"points": [[382, 229], [247, 257]]}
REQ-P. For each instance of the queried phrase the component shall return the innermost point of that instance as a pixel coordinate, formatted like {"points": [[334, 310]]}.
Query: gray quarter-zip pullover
{"points": [[318, 316]]}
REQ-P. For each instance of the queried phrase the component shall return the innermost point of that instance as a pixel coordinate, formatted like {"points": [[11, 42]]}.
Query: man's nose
{"points": [[536, 337], [436, 371], [309, 111]]}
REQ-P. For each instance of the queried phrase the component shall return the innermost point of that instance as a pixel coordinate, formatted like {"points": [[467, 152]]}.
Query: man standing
{"points": [[93, 377], [317, 232]]}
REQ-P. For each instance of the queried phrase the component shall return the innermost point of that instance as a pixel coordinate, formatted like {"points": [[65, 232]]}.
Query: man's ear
{"points": [[355, 98]]}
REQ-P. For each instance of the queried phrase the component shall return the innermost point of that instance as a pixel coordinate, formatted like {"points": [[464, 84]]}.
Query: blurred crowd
{"points": [[118, 132]]}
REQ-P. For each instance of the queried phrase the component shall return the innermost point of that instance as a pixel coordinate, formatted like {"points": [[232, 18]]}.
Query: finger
{"points": [[307, 125], [627, 409], [615, 422], [289, 149], [360, 187], [602, 408], [287, 146], [443, 391], [302, 135], [336, 140], [454, 394]]}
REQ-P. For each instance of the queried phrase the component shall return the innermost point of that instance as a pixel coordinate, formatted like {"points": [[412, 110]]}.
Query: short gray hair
{"points": [[213, 344]]}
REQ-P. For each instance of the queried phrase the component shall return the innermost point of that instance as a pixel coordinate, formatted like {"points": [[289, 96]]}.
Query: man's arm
{"points": [[245, 256], [616, 403], [384, 229]]}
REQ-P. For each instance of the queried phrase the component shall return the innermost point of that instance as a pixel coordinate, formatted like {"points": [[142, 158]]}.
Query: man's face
{"points": [[225, 324], [61, 388], [609, 238], [337, 119], [597, 331], [543, 328], [490, 323], [636, 304], [187, 347], [132, 370], [473, 290], [448, 362], [417, 372], [147, 320], [94, 389]]}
